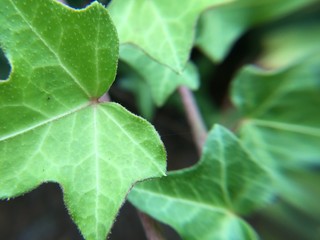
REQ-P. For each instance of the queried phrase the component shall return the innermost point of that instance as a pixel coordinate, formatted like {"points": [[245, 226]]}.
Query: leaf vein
{"points": [[50, 49], [40, 124], [288, 127]]}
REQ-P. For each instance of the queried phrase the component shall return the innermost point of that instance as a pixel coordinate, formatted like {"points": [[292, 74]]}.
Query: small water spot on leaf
{"points": [[4, 66]]}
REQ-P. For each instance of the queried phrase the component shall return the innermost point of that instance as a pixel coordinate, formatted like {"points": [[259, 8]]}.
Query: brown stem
{"points": [[198, 128], [151, 227]]}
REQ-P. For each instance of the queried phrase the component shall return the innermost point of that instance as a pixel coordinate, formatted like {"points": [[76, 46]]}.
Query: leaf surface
{"points": [[141, 91], [288, 43], [220, 27], [161, 80], [206, 200], [281, 123], [280, 111], [164, 29], [52, 127]]}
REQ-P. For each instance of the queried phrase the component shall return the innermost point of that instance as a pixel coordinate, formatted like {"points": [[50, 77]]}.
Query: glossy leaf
{"points": [[164, 29], [52, 126], [222, 26], [161, 80], [206, 200]]}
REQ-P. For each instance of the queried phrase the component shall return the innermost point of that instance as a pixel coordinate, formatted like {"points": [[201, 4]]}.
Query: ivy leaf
{"points": [[286, 44], [142, 94], [299, 188], [278, 117], [168, 25], [52, 126], [161, 80], [281, 121], [220, 27], [205, 201]]}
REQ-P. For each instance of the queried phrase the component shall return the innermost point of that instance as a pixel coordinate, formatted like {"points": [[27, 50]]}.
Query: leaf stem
{"points": [[151, 227], [196, 123]]}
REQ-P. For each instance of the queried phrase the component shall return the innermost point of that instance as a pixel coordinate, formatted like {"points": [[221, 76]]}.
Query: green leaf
{"points": [[205, 201], [164, 29], [304, 194], [281, 124], [280, 108], [161, 80], [52, 126], [141, 92], [220, 27], [290, 42]]}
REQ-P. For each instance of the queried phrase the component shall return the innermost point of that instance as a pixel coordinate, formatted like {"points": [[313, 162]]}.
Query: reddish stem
{"points": [[151, 227], [198, 128]]}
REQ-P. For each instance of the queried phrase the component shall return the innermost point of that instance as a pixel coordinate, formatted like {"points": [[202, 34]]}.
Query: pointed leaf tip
{"points": [[61, 59], [206, 200]]}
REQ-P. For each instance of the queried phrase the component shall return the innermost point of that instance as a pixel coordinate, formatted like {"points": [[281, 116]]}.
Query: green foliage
{"points": [[215, 191], [221, 27], [274, 103], [283, 46], [54, 126], [51, 126], [281, 125], [169, 38], [161, 80]]}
